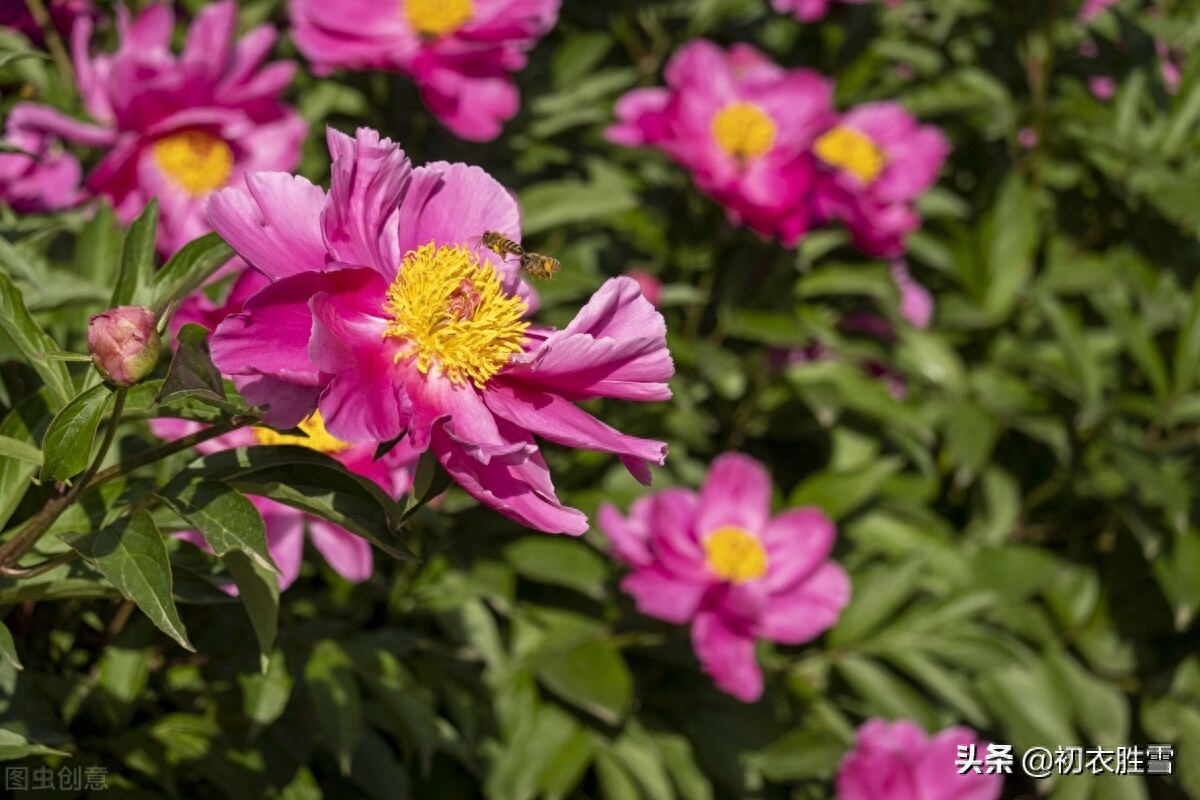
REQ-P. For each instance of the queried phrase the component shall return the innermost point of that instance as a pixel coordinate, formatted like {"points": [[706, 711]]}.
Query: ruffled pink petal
{"points": [[522, 492], [370, 176], [640, 119], [453, 204], [560, 421], [365, 400], [878, 765], [462, 414], [808, 610], [727, 656], [796, 541], [274, 223], [736, 493], [286, 404], [629, 537], [209, 45], [670, 516], [348, 555], [662, 596], [474, 108]]}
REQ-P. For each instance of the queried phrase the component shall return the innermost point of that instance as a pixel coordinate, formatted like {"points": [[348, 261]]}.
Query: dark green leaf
{"points": [[14, 746], [26, 423], [192, 372], [137, 260], [258, 588], [1012, 241], [559, 561], [67, 446], [32, 342], [188, 269], [132, 555], [336, 699], [592, 676], [224, 516], [8, 648]]}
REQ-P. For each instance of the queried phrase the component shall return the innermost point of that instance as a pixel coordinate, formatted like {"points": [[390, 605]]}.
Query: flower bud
{"points": [[124, 344]]}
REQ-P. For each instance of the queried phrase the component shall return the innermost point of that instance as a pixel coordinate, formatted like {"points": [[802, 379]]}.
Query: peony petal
{"points": [[662, 596], [274, 223], [453, 204], [808, 610], [285, 537], [348, 555], [797, 542], [629, 537], [736, 493], [370, 177], [727, 656]]}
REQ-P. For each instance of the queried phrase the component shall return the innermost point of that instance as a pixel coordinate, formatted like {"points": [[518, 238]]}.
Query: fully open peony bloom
{"points": [[898, 761], [460, 52], [348, 555], [45, 180], [386, 314], [178, 127], [812, 10], [719, 560], [742, 125], [876, 161]]}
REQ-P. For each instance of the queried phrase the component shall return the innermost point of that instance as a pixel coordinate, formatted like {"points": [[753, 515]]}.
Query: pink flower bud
{"points": [[124, 344]]}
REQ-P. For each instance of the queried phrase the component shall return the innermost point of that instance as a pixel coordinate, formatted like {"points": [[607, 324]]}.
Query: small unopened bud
{"points": [[124, 344]]}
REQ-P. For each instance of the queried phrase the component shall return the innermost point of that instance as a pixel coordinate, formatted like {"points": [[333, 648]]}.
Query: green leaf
{"points": [[258, 588], [430, 480], [310, 481], [559, 561], [98, 248], [192, 372], [554, 204], [840, 493], [137, 259], [615, 781], [8, 648], [226, 518], [14, 745], [1187, 346], [1012, 239], [680, 761], [799, 755], [26, 423], [22, 451], [32, 342], [68, 442], [591, 675], [132, 555], [188, 269], [336, 699], [265, 695]]}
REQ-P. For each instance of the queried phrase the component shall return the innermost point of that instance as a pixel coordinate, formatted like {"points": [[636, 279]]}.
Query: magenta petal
{"points": [[467, 419], [727, 656], [347, 554], [370, 176], [558, 420], [453, 204], [522, 492], [287, 404], [941, 782], [274, 223], [662, 596], [285, 537], [736, 493], [808, 610], [365, 400], [208, 48], [629, 537], [797, 541], [43, 119]]}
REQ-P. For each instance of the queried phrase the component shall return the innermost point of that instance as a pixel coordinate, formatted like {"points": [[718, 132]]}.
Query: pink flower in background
{"points": [[742, 125], [460, 52], [178, 127], [198, 309], [45, 180], [812, 10], [14, 14], [876, 161], [916, 303], [719, 560], [349, 555], [1090, 9], [898, 761], [1102, 87], [386, 314], [651, 287]]}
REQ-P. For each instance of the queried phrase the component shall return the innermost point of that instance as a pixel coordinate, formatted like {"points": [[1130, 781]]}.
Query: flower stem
{"points": [[54, 42]]}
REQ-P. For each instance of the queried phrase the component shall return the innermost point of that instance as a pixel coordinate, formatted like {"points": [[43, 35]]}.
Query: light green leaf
{"points": [[14, 745], [1012, 239], [137, 260], [265, 695], [8, 648], [132, 555], [32, 342], [591, 675], [68, 442], [188, 269], [329, 676], [22, 451], [258, 588], [559, 561], [26, 423]]}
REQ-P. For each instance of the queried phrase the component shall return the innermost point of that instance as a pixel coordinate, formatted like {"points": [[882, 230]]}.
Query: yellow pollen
{"points": [[735, 555], [197, 161], [317, 439], [852, 151], [438, 17], [743, 130], [452, 314]]}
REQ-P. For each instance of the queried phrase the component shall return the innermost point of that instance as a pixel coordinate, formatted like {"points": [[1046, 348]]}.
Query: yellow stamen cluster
{"points": [[852, 151], [317, 439], [735, 555], [438, 17], [743, 130], [453, 315], [199, 162]]}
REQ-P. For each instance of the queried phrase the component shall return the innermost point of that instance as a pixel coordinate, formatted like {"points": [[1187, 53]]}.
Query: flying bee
{"points": [[539, 266], [500, 244]]}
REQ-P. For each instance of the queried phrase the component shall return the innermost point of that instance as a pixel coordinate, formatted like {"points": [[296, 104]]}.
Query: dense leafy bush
{"points": [[989, 386]]}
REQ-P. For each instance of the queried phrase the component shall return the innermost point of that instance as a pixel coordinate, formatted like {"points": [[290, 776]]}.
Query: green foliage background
{"points": [[1020, 528]]}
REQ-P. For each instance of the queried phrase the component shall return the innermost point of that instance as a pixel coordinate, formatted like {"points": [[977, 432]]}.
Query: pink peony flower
{"points": [[14, 15], [1102, 87], [812, 10], [386, 314], [179, 127], [876, 161], [916, 303], [742, 125], [349, 555], [124, 344], [1090, 9], [650, 286], [460, 52], [45, 180], [719, 560], [898, 761]]}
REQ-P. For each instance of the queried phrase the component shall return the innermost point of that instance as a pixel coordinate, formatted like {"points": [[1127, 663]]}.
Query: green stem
{"points": [[54, 42], [16, 547]]}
